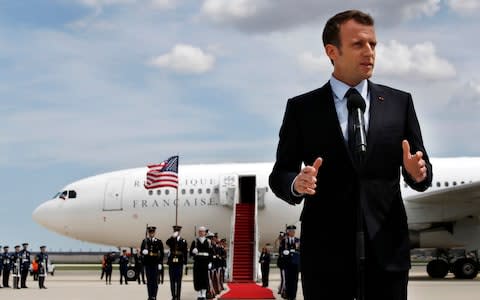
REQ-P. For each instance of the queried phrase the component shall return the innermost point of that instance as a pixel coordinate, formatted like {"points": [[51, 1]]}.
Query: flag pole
{"points": [[176, 200]]}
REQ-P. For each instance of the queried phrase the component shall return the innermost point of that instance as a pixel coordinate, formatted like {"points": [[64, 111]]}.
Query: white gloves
{"points": [[209, 266], [286, 252], [195, 251], [160, 267], [144, 251]]}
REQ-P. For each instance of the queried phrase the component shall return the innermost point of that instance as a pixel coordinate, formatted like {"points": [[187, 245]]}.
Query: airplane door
{"points": [[113, 195], [228, 189]]}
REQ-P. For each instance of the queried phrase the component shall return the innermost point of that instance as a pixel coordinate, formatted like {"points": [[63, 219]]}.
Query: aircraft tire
{"points": [[465, 268], [437, 268]]}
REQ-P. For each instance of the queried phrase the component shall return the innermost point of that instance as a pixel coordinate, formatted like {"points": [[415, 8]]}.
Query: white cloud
{"points": [[185, 59], [99, 3], [275, 15], [220, 10], [464, 7], [419, 61], [309, 62], [420, 8]]}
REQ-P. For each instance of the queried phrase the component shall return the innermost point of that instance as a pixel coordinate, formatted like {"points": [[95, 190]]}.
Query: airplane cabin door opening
{"points": [[247, 185]]}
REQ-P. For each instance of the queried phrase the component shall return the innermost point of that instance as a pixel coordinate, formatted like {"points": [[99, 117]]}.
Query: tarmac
{"points": [[86, 285]]}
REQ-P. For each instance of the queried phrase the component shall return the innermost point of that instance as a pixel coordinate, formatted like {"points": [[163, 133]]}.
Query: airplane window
{"points": [[454, 183], [199, 191], [463, 182], [167, 192], [72, 194], [150, 192], [446, 183], [208, 190], [215, 190], [159, 192], [191, 191], [64, 195], [438, 184], [183, 191]]}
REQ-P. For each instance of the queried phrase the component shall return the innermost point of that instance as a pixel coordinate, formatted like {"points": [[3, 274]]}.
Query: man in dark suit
{"points": [[331, 184]]}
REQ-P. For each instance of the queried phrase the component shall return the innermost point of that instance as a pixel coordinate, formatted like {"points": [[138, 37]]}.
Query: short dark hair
{"points": [[331, 32]]}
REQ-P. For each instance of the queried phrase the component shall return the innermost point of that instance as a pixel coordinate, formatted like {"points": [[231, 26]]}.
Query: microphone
{"points": [[356, 106]]}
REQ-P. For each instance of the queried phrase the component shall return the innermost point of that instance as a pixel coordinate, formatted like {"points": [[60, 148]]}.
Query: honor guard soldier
{"points": [[25, 260], [42, 266], [123, 266], [16, 266], [139, 268], [1, 266], [290, 251], [281, 264], [152, 250], [176, 260], [7, 266], [201, 251]]}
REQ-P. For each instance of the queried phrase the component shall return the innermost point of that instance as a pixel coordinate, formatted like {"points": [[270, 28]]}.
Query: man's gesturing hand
{"points": [[414, 164], [306, 181]]}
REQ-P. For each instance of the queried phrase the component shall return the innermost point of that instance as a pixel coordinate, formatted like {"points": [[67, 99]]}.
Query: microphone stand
{"points": [[359, 159]]}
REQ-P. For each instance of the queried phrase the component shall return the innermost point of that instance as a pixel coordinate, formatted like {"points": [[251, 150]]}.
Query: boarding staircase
{"points": [[243, 243]]}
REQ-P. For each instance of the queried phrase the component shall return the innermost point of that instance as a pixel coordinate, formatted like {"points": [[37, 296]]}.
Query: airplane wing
{"points": [[446, 205]]}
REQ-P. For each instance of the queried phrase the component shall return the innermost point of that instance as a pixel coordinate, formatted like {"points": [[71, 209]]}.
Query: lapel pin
{"points": [[381, 98]]}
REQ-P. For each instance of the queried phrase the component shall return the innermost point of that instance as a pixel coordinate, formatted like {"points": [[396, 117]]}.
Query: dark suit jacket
{"points": [[311, 129]]}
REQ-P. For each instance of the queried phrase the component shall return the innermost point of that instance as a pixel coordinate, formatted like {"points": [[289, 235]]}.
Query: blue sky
{"points": [[90, 86]]}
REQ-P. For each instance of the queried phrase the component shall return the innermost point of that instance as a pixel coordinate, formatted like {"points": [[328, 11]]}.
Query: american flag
{"points": [[164, 174]]}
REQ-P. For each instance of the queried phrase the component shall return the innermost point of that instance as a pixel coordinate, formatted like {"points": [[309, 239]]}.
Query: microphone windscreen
{"points": [[355, 101]]}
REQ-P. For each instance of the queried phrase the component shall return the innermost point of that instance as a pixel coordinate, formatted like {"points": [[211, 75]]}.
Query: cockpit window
{"points": [[56, 195], [63, 195], [72, 194]]}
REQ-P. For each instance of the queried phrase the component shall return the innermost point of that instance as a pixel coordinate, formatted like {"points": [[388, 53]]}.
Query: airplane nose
{"points": [[40, 214]]}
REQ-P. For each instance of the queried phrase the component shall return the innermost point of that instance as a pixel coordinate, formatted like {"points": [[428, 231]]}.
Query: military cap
{"points": [[17, 246], [43, 247], [291, 227], [25, 244], [124, 250], [5, 247], [151, 228], [177, 227], [210, 235]]}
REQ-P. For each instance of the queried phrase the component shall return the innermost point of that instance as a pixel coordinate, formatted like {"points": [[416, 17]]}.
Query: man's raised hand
{"points": [[306, 180], [414, 164]]}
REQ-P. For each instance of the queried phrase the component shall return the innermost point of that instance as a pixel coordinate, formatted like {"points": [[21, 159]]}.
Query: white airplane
{"points": [[115, 208]]}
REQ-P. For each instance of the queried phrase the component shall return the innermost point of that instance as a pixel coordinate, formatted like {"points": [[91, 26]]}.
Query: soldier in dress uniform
{"points": [[290, 251], [25, 265], [176, 260], [222, 255], [152, 250], [201, 251], [123, 266], [7, 266], [42, 266], [281, 264], [139, 267], [16, 266]]}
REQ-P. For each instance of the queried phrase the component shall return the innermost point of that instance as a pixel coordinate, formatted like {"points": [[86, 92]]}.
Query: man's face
{"points": [[355, 58], [201, 233], [151, 234], [291, 233]]}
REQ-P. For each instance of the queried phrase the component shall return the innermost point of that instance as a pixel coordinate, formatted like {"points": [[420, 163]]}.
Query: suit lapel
{"points": [[333, 119], [376, 115]]}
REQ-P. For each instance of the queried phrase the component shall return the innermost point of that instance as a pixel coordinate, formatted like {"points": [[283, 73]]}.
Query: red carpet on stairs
{"points": [[247, 291]]}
